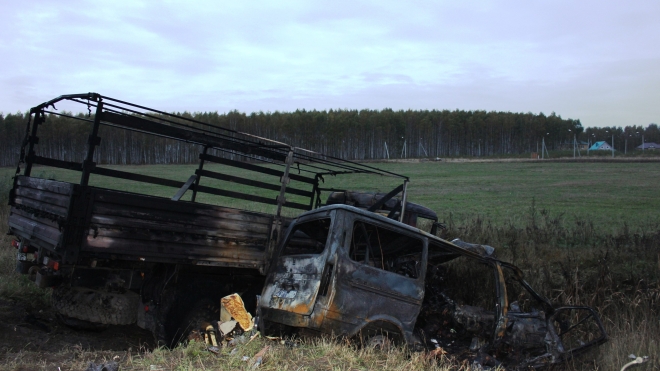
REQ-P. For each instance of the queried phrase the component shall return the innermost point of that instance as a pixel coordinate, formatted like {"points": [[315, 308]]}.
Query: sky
{"points": [[596, 61]]}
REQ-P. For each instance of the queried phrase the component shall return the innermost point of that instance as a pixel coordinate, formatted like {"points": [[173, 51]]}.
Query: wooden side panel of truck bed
{"points": [[154, 227], [131, 226], [39, 209]]}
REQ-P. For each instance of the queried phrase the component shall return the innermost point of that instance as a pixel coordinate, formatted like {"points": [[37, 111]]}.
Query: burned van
{"points": [[349, 272]]}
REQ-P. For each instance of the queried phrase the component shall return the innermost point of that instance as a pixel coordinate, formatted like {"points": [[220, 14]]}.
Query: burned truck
{"points": [[158, 258], [359, 272], [359, 265]]}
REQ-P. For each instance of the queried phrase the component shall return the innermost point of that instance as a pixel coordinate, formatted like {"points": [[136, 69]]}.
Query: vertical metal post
{"points": [[281, 199], [276, 231], [32, 140], [574, 144], [199, 170], [612, 145], [94, 140], [542, 148], [315, 192], [404, 197]]}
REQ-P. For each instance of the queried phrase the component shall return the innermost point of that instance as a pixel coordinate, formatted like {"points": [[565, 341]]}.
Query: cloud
{"points": [[589, 60]]}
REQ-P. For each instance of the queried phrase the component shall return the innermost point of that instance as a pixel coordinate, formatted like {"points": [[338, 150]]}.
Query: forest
{"points": [[348, 134]]}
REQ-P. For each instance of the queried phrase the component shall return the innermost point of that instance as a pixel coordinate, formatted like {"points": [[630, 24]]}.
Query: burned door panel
{"points": [[295, 281], [377, 268]]}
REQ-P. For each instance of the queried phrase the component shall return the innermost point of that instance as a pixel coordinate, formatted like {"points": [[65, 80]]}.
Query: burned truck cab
{"points": [[347, 272]]}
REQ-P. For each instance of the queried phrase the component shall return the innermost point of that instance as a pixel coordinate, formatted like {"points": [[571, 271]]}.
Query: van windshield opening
{"points": [[308, 238]]}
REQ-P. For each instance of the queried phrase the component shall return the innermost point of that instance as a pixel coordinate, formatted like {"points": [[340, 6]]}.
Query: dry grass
{"points": [[318, 354], [568, 260]]}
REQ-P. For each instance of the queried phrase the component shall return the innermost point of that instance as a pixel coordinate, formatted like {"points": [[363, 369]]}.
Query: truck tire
{"points": [[96, 306]]}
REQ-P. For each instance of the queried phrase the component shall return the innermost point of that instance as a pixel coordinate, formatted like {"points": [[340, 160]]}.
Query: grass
{"points": [[316, 354], [607, 194], [583, 233]]}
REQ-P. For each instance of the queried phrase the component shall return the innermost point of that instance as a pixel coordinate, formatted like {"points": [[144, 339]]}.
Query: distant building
{"points": [[582, 145], [602, 145], [649, 145]]}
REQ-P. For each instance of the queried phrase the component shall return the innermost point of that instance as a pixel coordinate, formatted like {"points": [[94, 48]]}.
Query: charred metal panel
{"points": [[295, 285], [364, 294]]}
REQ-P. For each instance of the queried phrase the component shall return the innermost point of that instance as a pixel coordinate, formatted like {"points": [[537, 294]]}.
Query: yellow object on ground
{"points": [[233, 304]]}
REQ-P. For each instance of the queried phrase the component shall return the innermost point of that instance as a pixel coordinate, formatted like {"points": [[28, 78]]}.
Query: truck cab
{"points": [[340, 266], [348, 272]]}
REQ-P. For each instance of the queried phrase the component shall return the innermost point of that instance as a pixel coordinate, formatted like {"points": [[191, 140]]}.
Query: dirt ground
{"points": [[25, 332]]}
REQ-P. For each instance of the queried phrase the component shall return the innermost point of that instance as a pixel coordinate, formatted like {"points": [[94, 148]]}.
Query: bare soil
{"points": [[37, 333]]}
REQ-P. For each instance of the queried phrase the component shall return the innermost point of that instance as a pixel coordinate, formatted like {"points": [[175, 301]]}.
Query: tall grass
{"points": [[566, 260]]}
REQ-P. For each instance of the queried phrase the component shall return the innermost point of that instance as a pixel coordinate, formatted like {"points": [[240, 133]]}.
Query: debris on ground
{"points": [[233, 306], [258, 358], [110, 366]]}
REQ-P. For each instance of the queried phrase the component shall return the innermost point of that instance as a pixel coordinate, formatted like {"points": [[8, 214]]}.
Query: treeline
{"points": [[349, 134]]}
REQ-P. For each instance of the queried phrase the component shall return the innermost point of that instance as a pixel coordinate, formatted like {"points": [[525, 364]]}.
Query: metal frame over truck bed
{"points": [[70, 219]]}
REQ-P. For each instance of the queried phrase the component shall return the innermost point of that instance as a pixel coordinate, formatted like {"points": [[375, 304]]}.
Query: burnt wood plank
{"points": [[222, 230], [240, 253], [136, 177], [57, 163], [54, 186], [32, 229], [138, 202], [144, 236], [252, 183], [244, 196], [171, 217], [257, 168], [38, 205], [45, 221], [44, 196], [167, 219], [239, 195]]}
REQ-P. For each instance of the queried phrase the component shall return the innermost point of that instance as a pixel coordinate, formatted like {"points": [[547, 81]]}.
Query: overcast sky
{"points": [[597, 61]]}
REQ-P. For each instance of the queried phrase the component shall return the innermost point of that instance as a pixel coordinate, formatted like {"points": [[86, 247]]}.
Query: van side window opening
{"points": [[308, 238], [386, 249]]}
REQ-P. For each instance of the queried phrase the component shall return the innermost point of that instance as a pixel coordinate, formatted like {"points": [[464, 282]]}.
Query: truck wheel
{"points": [[96, 306], [201, 314]]}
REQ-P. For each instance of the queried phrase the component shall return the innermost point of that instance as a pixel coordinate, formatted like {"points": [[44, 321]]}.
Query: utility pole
{"points": [[574, 144], [420, 144], [612, 145]]}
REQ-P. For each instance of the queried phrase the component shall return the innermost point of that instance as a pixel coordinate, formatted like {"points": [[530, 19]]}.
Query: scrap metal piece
{"points": [[227, 327]]}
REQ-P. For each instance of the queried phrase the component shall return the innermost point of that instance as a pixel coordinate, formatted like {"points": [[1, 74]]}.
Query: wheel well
{"points": [[382, 327]]}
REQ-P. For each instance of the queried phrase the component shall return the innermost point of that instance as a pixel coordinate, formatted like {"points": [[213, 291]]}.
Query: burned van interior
{"points": [[307, 238], [386, 249]]}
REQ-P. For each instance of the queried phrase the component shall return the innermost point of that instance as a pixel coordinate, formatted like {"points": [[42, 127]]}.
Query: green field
{"points": [[583, 234], [607, 194]]}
